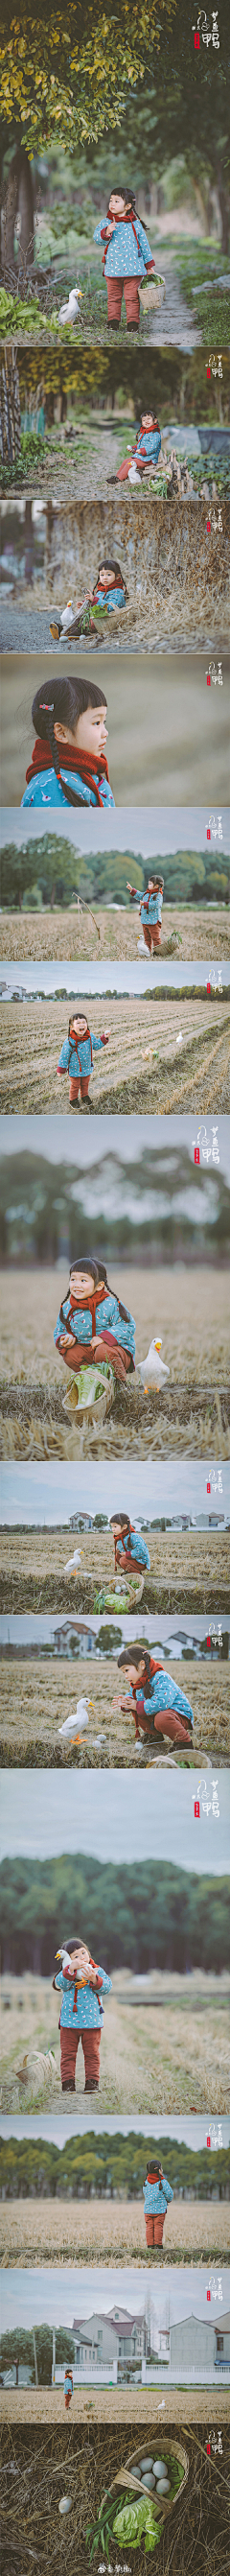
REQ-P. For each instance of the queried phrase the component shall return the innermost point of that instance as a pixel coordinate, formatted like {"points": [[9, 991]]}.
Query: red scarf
{"points": [[90, 770], [90, 1304]]}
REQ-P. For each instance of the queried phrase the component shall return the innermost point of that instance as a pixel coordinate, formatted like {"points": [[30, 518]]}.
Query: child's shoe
{"points": [[69, 2086], [92, 2084]]}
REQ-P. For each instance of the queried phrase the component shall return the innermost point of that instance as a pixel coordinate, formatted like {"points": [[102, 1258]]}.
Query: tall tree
{"points": [[68, 79]]}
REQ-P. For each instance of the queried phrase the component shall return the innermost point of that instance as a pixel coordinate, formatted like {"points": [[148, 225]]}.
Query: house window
{"points": [[220, 2343]]}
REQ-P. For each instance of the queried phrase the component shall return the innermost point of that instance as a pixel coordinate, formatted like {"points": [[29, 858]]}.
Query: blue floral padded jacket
{"points": [[125, 256], [156, 2196], [150, 905], [46, 789], [164, 1693], [75, 1057], [131, 1543], [84, 2013], [78, 1320]]}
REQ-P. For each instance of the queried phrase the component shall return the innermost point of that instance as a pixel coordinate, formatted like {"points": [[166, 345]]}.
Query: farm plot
{"points": [[72, 933], [77, 2231], [192, 1417], [189, 1570], [158, 1056], [36, 1697], [171, 2055]]}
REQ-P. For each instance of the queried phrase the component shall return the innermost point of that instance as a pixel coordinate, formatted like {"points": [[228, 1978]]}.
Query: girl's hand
{"points": [[106, 1034], [66, 1342], [98, 1346]]}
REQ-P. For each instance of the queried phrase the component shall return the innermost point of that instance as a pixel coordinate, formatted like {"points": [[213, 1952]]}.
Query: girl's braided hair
{"points": [[135, 1655], [111, 566], [67, 700], [96, 1270]]}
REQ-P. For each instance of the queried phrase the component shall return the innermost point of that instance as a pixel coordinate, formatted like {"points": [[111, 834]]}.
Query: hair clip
{"points": [[46, 705]]}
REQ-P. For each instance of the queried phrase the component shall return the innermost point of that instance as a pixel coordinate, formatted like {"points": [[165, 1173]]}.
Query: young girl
{"points": [[81, 2015], [129, 1546], [77, 1057], [144, 453], [150, 909], [110, 589], [69, 765], [157, 2193], [127, 257], [92, 1324], [159, 1707]]}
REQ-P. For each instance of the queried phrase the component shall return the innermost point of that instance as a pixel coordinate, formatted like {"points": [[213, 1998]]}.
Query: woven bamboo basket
{"points": [[152, 294], [127, 2476], [98, 1405]]}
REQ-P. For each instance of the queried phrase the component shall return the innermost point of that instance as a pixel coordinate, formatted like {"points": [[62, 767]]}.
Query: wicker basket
{"points": [[127, 2476], [97, 1406], [152, 294], [107, 1594]]}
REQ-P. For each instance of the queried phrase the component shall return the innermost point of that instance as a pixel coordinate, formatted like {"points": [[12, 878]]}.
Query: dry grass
{"points": [[191, 1418], [189, 1569], [72, 2231], [35, 1697], [72, 933], [170, 2056], [141, 1068]]}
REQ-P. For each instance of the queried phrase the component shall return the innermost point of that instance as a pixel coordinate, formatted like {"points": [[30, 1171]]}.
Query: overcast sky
{"points": [[103, 975], [155, 833], [34, 2298], [192, 2133], [49, 1493], [38, 1628], [126, 1137], [116, 1816]]}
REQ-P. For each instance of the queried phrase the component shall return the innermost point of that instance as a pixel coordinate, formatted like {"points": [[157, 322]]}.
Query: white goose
{"points": [[70, 312], [62, 620], [153, 1369], [74, 1726], [73, 1561]]}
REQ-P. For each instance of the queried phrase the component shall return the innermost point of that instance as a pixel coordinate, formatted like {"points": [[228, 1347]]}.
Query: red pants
{"points": [[115, 291], [70, 2041], [68, 2399], [167, 1721], [152, 934], [78, 1082], [154, 2229]]}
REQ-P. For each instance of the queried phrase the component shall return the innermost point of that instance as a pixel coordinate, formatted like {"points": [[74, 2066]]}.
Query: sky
{"points": [[191, 2133], [34, 2298], [46, 1494], [153, 833], [37, 1628], [146, 1820], [104, 976], [125, 1137]]}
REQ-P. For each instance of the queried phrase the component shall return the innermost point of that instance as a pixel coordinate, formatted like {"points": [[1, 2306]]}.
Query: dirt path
{"points": [[164, 2057], [71, 933], [61, 2231], [174, 323], [172, 1051]]}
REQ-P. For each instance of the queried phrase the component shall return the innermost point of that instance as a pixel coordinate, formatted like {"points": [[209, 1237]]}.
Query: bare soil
{"points": [[165, 1075], [168, 2055], [72, 933], [71, 2231], [36, 1697], [190, 1418]]}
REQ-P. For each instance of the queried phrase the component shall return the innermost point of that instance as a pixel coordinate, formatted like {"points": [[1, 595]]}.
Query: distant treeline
{"points": [[51, 871], [115, 2166], [140, 1916], [18, 2348], [42, 1222]]}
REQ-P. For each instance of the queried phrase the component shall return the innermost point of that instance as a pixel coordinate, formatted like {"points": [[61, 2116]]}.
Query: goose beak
{"points": [[158, 1345]]}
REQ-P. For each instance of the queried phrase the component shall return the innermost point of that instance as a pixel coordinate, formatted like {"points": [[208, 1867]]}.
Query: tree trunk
{"points": [[224, 209], [10, 416], [18, 201]]}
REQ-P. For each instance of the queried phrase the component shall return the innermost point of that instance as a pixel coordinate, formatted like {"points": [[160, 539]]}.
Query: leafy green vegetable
{"points": [[134, 2517]]}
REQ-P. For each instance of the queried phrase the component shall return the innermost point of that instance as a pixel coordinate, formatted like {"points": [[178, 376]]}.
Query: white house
{"points": [[109, 2332]]}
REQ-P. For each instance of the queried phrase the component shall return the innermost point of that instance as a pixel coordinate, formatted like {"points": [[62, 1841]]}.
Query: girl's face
{"points": [[106, 579], [147, 420], [80, 1962], [79, 1026], [81, 1285], [90, 732], [117, 205], [117, 1529], [134, 1674]]}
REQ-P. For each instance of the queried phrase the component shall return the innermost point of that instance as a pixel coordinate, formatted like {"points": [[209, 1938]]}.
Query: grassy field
{"points": [[202, 933], [72, 2231], [143, 1066], [35, 1698], [171, 2055], [191, 1417]]}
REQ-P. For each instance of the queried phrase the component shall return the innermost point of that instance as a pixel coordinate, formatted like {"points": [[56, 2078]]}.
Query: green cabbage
{"points": [[135, 2517]]}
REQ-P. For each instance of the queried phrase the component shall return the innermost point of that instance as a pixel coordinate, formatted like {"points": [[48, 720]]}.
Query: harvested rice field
{"points": [[171, 2054], [37, 1696], [159, 1056], [71, 2231], [190, 1309], [189, 1570], [49, 934]]}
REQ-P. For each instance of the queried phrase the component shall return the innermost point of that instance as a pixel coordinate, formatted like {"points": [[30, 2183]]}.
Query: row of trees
{"points": [[175, 383], [145, 1916], [52, 870], [34, 2351], [45, 1215], [34, 2168]]}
